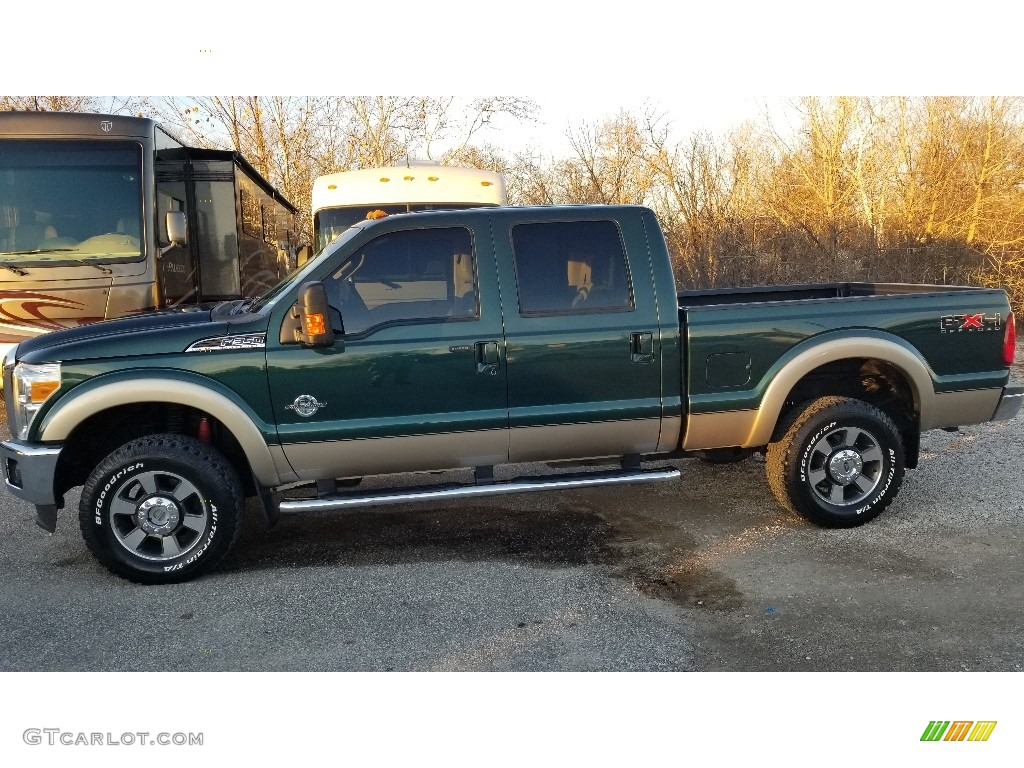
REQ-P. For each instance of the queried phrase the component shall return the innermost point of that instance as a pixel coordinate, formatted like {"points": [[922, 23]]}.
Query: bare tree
{"points": [[609, 165], [111, 105]]}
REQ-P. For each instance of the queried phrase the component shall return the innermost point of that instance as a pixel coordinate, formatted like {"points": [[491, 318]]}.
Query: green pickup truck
{"points": [[469, 339]]}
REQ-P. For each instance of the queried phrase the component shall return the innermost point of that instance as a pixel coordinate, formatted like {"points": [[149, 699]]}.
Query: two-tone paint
{"points": [[747, 352], [674, 372]]}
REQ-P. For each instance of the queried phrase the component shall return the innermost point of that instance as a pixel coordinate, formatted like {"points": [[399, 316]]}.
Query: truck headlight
{"points": [[32, 385]]}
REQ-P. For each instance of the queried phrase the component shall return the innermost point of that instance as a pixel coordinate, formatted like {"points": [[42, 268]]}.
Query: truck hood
{"points": [[154, 333]]}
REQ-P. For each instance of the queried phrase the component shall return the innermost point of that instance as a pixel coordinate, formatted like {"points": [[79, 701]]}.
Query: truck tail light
{"points": [[1010, 340]]}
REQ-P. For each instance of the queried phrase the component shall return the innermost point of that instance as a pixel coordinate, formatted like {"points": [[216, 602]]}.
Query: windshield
{"points": [[331, 222], [70, 202], [296, 276]]}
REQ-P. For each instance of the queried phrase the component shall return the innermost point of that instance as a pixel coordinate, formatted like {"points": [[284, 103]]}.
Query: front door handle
{"points": [[487, 357], [641, 346]]}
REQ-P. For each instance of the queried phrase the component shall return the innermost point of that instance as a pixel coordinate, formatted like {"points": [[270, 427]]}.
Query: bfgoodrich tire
{"points": [[162, 509], [838, 464]]}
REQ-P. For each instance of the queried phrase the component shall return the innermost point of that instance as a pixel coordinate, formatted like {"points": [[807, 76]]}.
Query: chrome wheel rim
{"points": [[844, 467], [158, 515]]}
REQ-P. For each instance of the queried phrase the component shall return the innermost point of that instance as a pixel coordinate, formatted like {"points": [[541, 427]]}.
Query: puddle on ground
{"points": [[632, 544]]}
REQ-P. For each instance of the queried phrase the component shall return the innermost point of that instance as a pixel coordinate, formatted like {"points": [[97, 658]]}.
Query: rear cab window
{"points": [[573, 267]]}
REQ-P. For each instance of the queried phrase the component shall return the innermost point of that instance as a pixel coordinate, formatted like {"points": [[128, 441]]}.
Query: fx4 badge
{"points": [[305, 405], [969, 323]]}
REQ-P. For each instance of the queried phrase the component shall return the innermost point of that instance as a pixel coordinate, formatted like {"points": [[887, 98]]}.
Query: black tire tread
{"points": [[163, 446], [784, 450]]}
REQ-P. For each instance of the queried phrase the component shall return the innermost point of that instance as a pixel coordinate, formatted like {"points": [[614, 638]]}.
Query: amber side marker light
{"points": [[40, 390], [314, 325]]}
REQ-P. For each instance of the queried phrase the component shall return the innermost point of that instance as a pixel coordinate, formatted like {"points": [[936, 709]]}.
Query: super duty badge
{"points": [[221, 343]]}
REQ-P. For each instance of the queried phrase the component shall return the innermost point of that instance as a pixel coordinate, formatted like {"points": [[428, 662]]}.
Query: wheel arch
{"points": [[791, 380], [790, 383], [114, 393]]}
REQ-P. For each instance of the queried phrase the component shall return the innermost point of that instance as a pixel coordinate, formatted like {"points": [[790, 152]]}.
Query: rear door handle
{"points": [[641, 347], [487, 357]]}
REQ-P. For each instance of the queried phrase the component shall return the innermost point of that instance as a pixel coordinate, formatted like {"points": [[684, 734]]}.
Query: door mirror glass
{"points": [[177, 228]]}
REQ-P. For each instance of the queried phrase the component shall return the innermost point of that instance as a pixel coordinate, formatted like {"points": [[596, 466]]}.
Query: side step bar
{"points": [[337, 501]]}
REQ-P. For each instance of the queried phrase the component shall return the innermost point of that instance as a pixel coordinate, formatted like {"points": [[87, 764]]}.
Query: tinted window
{"points": [[328, 223], [577, 266], [415, 275]]}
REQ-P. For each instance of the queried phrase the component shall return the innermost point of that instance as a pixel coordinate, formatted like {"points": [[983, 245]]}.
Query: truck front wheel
{"points": [[838, 463], [161, 509]]}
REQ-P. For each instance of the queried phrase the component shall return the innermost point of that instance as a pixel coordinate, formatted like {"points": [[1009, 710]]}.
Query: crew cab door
{"points": [[416, 377], [582, 333]]}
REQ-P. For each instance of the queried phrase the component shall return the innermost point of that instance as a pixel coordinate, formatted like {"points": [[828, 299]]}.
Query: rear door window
{"points": [[573, 267]]}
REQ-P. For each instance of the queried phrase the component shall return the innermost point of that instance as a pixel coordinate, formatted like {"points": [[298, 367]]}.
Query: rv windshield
{"points": [[67, 203]]}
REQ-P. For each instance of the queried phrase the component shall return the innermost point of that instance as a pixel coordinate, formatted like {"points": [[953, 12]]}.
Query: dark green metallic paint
{"points": [[423, 378], [397, 379], [772, 333], [570, 368], [243, 384]]}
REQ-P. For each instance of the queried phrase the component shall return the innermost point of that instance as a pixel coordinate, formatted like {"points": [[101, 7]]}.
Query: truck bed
{"points": [[805, 292], [736, 340]]}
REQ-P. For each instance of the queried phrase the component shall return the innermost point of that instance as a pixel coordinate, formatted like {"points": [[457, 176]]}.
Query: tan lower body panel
{"points": [[584, 441], [284, 470], [424, 453], [385, 455], [748, 429], [958, 409], [719, 430], [671, 428]]}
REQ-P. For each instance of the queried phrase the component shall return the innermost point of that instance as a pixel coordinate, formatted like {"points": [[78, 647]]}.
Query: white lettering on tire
{"points": [[810, 447], [885, 488], [209, 539], [106, 488]]}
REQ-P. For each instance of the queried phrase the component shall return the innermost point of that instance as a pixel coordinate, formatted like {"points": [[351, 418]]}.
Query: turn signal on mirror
{"points": [[314, 324]]}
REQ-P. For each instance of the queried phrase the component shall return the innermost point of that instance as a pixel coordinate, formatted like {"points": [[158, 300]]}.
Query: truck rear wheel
{"points": [[161, 509], [838, 463]]}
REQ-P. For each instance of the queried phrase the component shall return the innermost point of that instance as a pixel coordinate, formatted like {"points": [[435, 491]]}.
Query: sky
{"points": [[683, 114], [707, 68]]}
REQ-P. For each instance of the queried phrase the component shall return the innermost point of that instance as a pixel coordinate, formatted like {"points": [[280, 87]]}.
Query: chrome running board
{"points": [[336, 501]]}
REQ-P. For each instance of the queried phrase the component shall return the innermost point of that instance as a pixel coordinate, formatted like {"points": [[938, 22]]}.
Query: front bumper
{"points": [[1009, 403], [29, 470]]}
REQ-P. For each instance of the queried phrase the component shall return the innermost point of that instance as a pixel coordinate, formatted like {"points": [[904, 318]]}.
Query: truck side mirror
{"points": [[177, 228], [315, 329], [305, 252]]}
